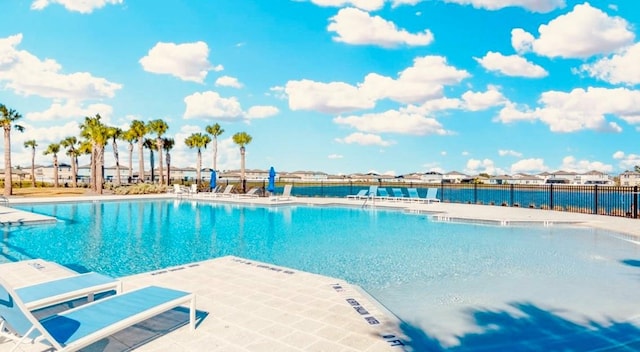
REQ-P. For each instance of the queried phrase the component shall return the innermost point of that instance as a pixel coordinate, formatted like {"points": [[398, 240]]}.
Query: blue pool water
{"points": [[456, 285]]}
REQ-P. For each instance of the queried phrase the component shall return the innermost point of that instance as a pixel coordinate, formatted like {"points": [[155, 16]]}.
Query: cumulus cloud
{"points": [[583, 32], [476, 101], [506, 152], [211, 105], [82, 6], [261, 111], [330, 97], [228, 81], [570, 163], [189, 61], [69, 110], [26, 74], [541, 6], [579, 109], [627, 161], [424, 80], [621, 68], [393, 121], [364, 139], [511, 65], [528, 166], [354, 26], [476, 166]]}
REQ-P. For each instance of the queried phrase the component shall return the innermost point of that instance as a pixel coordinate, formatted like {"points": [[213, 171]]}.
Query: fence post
{"points": [[595, 199], [551, 196], [635, 202], [511, 194]]}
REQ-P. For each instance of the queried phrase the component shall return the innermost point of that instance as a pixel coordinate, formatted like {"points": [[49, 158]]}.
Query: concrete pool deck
{"points": [[245, 305]]}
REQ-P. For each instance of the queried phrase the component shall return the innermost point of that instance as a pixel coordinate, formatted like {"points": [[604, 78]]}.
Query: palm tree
{"points": [[139, 130], [215, 131], [198, 141], [70, 143], [116, 133], [8, 117], [167, 145], [151, 145], [94, 131], [242, 139], [32, 144], [159, 127], [54, 148]]}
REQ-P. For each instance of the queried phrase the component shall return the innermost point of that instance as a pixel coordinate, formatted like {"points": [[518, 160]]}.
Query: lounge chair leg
{"points": [[192, 314]]}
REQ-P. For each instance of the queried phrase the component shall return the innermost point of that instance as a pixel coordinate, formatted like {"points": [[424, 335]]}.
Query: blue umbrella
{"points": [[213, 180], [272, 180]]}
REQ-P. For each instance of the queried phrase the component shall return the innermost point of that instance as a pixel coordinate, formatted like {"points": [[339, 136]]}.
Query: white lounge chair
{"points": [[66, 289], [193, 189], [360, 195], [286, 194], [414, 196], [397, 194], [79, 327], [252, 193], [431, 196], [225, 193]]}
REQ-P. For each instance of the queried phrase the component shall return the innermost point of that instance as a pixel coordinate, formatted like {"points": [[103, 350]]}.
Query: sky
{"points": [[339, 86]]}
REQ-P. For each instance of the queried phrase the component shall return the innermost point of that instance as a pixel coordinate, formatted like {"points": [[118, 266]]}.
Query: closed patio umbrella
{"points": [[212, 184], [272, 180]]}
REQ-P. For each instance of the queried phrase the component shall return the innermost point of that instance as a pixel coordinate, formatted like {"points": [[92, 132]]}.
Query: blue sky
{"points": [[341, 86]]}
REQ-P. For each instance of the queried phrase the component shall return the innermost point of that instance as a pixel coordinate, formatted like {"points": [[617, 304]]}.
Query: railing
{"points": [[589, 199]]}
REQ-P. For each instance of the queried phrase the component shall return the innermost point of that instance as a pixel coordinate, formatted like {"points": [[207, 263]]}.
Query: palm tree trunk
{"points": [[160, 166], [117, 157], [33, 167], [74, 171], [168, 169], [55, 171], [244, 182], [199, 166], [100, 167], [94, 183], [8, 190], [130, 162], [215, 153], [141, 161]]}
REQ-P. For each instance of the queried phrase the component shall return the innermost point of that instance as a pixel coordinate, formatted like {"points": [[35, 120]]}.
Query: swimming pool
{"points": [[456, 285]]}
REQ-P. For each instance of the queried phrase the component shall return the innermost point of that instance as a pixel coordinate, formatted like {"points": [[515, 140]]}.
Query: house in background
{"points": [[630, 178]]}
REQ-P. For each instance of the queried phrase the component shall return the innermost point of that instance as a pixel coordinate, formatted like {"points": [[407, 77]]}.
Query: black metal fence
{"points": [[589, 199]]}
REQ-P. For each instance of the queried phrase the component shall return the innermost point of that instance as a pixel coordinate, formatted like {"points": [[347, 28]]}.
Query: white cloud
{"points": [[424, 80], [27, 75], [368, 5], [531, 5], [528, 166], [228, 81], [211, 105], [261, 111], [188, 61], [364, 139], [354, 26], [570, 163], [506, 152], [579, 109], [82, 6], [627, 161], [331, 97], [393, 121], [511, 65], [583, 32], [476, 101], [335, 156], [69, 110], [620, 68], [475, 166]]}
